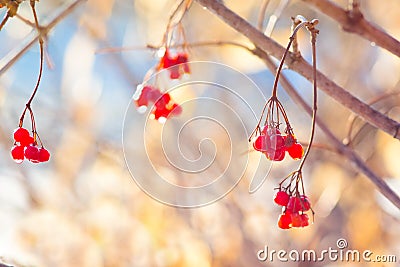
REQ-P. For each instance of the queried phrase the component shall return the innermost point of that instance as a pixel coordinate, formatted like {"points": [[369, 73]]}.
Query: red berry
{"points": [[22, 136], [284, 221], [163, 101], [296, 151], [32, 154], [181, 58], [260, 144], [143, 98], [277, 142], [281, 198], [275, 155], [306, 205], [166, 61], [294, 204], [174, 72], [17, 153], [304, 218], [290, 139], [44, 155], [299, 220], [176, 109]]}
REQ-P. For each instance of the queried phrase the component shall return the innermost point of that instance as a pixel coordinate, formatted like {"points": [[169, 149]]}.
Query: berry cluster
{"points": [[177, 65], [163, 107], [25, 147], [274, 144], [270, 140], [293, 210]]}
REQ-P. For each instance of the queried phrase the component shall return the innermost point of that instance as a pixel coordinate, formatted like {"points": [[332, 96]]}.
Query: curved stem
{"points": [[278, 72], [28, 104], [314, 113]]}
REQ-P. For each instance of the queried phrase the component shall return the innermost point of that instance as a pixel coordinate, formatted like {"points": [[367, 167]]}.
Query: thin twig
{"points": [[302, 67], [8, 60], [354, 22]]}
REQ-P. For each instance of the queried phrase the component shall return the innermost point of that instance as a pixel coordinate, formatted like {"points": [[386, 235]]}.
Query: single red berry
{"points": [[17, 153], [299, 220], [285, 221], [174, 72], [44, 155], [281, 198], [32, 154], [304, 218], [275, 155], [306, 205], [296, 219], [260, 144], [22, 136], [290, 139], [154, 94], [163, 101], [166, 61], [296, 151], [143, 96], [294, 204], [182, 58]]}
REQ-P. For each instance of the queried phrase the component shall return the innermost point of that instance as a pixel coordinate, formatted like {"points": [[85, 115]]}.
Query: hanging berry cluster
{"points": [[274, 144], [163, 107], [174, 60], [270, 141], [27, 146]]}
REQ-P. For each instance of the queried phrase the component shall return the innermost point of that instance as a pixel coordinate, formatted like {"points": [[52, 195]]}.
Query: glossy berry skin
{"points": [[32, 154], [22, 136], [260, 144], [277, 141], [285, 221], [146, 95], [17, 153], [306, 205], [44, 155], [294, 204], [299, 220], [281, 198], [296, 151], [275, 155], [176, 65]]}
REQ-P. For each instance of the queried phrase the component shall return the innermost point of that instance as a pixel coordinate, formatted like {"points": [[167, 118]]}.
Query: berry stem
{"points": [[278, 72], [28, 104], [314, 32]]}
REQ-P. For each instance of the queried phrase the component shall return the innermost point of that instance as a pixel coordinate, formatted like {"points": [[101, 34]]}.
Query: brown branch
{"points": [[353, 21], [8, 60], [301, 66]]}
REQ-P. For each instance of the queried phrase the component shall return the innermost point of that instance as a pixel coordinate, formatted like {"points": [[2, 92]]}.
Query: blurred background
{"points": [[83, 208]]}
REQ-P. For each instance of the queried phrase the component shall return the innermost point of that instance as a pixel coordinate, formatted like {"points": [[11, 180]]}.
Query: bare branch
{"points": [[354, 22], [302, 67], [7, 61]]}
